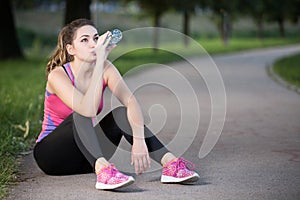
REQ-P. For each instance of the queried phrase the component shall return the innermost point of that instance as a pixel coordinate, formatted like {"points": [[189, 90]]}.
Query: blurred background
{"points": [[34, 24]]}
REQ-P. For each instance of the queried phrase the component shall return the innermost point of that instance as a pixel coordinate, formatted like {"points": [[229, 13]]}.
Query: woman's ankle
{"points": [[100, 163], [167, 158]]}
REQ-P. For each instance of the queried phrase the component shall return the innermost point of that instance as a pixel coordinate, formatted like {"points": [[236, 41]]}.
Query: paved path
{"points": [[256, 157]]}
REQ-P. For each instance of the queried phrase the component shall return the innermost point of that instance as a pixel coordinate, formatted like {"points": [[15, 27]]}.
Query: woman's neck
{"points": [[81, 69]]}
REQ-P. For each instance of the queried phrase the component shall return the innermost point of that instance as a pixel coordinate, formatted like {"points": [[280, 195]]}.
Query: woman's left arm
{"points": [[140, 156]]}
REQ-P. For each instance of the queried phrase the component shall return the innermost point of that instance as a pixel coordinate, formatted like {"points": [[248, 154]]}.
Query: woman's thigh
{"points": [[58, 153]]}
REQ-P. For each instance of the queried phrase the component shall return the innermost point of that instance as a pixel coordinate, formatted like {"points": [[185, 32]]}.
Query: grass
{"points": [[21, 92], [289, 69], [176, 51], [236, 44], [22, 85]]}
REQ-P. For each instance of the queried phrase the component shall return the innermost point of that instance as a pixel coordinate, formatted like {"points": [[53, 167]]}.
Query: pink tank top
{"points": [[55, 111]]}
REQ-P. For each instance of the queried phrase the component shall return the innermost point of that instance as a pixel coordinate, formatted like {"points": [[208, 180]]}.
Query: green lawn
{"points": [[289, 69], [21, 93], [176, 51], [22, 85]]}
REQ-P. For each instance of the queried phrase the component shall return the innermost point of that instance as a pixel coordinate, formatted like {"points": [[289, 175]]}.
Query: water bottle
{"points": [[116, 36]]}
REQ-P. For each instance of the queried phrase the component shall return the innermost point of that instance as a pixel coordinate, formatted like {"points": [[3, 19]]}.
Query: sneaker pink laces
{"points": [[110, 177], [177, 171]]}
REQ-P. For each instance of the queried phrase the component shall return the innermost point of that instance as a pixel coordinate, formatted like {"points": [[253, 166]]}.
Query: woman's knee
{"points": [[119, 117]]}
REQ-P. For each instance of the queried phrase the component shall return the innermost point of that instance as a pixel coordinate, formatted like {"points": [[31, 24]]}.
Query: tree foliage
{"points": [[260, 11], [187, 8], [256, 9], [155, 9], [282, 11]]}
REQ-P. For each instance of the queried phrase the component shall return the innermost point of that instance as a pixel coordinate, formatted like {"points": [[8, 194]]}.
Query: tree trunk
{"points": [[186, 27], [280, 22], [9, 47], [157, 16], [260, 26], [224, 28], [76, 9]]}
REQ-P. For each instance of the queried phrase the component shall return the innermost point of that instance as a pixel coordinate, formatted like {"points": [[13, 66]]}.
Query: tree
{"points": [[294, 11], [281, 11], [77, 9], [9, 47], [223, 11], [154, 8], [277, 12], [187, 8], [257, 10]]}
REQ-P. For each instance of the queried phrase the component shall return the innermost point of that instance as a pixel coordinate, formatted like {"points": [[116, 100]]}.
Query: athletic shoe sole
{"points": [[102, 186], [170, 179]]}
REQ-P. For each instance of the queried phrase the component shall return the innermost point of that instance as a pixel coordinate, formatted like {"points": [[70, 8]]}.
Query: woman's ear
{"points": [[70, 49]]}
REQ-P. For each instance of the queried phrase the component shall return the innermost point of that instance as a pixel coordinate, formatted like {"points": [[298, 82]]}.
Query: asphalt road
{"points": [[256, 157]]}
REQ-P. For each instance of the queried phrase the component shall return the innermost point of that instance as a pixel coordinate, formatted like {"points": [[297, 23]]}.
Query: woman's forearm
{"points": [[135, 118], [90, 100]]}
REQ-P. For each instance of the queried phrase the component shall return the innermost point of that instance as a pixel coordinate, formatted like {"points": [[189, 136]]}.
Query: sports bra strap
{"points": [[69, 72]]}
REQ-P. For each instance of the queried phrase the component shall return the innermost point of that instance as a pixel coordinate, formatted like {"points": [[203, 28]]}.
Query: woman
{"points": [[77, 74]]}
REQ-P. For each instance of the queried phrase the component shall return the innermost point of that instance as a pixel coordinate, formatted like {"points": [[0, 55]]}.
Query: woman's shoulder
{"points": [[109, 70], [107, 64], [57, 77], [57, 72], [109, 67]]}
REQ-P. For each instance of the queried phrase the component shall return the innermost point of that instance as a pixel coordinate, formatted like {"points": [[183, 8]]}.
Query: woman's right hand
{"points": [[103, 48]]}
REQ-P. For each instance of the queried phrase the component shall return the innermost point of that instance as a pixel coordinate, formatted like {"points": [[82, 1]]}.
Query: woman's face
{"points": [[84, 43]]}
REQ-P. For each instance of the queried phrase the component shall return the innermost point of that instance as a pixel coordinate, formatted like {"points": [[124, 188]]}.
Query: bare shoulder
{"points": [[110, 70], [108, 65], [57, 78], [57, 74]]}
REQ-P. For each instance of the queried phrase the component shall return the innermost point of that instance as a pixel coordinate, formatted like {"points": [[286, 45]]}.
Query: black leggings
{"points": [[75, 145]]}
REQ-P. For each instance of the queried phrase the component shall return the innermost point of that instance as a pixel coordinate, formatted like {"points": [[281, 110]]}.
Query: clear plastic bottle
{"points": [[116, 35]]}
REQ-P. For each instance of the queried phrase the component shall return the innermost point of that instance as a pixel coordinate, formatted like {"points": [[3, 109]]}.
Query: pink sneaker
{"points": [[176, 171], [110, 178]]}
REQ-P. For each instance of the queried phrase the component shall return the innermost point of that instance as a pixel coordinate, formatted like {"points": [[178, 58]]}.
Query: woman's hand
{"points": [[140, 156], [103, 48]]}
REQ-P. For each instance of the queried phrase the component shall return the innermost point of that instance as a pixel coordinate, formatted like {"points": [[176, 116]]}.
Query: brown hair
{"points": [[66, 36]]}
